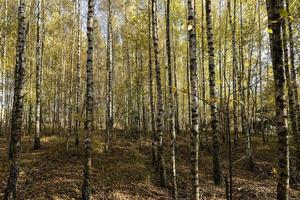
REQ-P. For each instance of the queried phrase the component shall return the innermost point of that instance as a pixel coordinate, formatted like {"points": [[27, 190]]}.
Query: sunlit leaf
{"points": [[291, 18], [283, 13], [270, 30]]}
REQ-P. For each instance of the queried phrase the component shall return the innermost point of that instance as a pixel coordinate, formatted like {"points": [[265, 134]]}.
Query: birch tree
{"points": [[213, 97], [275, 23], [38, 65], [109, 96], [77, 86], [86, 185], [171, 100], [194, 99], [16, 119], [295, 87], [160, 111]]}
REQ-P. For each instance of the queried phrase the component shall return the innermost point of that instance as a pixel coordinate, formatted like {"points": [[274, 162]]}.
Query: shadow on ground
{"points": [[50, 173], [125, 173]]}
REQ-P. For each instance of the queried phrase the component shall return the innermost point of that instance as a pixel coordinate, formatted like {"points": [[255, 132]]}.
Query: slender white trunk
{"points": [[160, 111], [38, 58], [109, 81], [86, 186]]}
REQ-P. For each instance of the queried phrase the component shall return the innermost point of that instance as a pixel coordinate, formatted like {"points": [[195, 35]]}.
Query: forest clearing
{"points": [[149, 99]]}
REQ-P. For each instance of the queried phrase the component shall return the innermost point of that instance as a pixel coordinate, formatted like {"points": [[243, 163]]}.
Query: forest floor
{"points": [[125, 173]]}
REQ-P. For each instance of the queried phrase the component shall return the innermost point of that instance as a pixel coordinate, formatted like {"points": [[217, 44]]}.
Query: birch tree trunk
{"points": [[71, 74], [171, 101], [291, 97], [160, 111], [128, 69], [273, 8], [38, 58], [151, 101], [250, 111], [294, 85], [243, 76], [177, 124], [221, 114], [16, 120], [175, 92], [234, 69], [213, 97], [194, 99], [109, 100], [4, 60], [204, 116], [86, 187], [260, 71], [77, 87]]}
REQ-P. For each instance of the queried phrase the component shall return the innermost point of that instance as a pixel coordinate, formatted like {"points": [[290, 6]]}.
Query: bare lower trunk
{"points": [[291, 96], [273, 8], [213, 97], [171, 101], [234, 70], [109, 100], [294, 86], [194, 100], [243, 77], [37, 143], [16, 120], [203, 78], [4, 64], [160, 111], [151, 101], [77, 87], [86, 186]]}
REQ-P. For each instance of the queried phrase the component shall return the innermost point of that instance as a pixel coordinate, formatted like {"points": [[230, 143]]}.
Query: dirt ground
{"points": [[126, 173]]}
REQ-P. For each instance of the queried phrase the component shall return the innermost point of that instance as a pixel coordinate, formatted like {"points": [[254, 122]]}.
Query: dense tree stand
{"points": [[149, 99]]}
